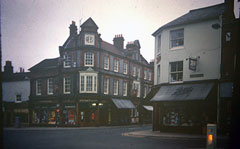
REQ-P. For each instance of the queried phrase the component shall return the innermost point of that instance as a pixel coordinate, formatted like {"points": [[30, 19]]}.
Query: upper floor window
{"points": [[138, 73], [136, 88], [159, 44], [106, 85], [88, 82], [18, 98], [67, 60], [158, 74], [176, 71], [124, 88], [177, 38], [115, 87], [50, 86], [145, 74], [66, 85], [116, 65], [145, 91], [89, 59], [39, 87], [134, 71], [106, 62], [125, 68], [150, 76]]}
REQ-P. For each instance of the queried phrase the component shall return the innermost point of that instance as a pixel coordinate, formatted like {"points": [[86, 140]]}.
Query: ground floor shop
{"points": [[185, 108], [81, 112]]}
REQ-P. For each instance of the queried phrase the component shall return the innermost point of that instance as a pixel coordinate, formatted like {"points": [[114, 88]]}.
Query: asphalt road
{"points": [[90, 138]]}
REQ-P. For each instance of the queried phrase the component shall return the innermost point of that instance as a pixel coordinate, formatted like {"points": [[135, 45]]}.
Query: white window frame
{"points": [[125, 68], [176, 39], [39, 87], [65, 85], [145, 74], [149, 76], [136, 85], [134, 71], [50, 90], [116, 65], [106, 86], [106, 63], [125, 86], [175, 72], [115, 87], [88, 59], [67, 61], [83, 76]]}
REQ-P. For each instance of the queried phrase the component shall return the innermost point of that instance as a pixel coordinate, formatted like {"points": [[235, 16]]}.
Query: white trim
{"points": [[64, 86], [88, 65], [64, 61], [125, 64], [107, 91], [106, 68], [125, 83], [38, 93], [94, 82], [115, 89], [48, 86], [116, 70]]}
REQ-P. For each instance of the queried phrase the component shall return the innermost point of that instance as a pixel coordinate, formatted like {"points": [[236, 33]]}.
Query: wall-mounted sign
{"points": [[192, 64]]}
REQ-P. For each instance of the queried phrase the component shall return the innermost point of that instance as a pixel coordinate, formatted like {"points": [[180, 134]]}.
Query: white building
{"points": [[187, 69]]}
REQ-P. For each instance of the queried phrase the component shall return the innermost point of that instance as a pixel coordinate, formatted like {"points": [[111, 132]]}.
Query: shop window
{"points": [[176, 71], [82, 116], [89, 59], [177, 38]]}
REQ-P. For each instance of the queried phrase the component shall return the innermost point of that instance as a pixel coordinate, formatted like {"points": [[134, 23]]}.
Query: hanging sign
{"points": [[192, 64]]}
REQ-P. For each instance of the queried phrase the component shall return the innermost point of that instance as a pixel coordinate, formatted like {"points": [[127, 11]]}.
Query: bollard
{"points": [[211, 136]]}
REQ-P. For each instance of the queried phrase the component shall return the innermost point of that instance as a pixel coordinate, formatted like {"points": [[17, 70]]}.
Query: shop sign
{"points": [[192, 64], [87, 100]]}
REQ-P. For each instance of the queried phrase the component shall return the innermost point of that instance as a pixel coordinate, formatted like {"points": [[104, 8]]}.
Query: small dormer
{"points": [[89, 35]]}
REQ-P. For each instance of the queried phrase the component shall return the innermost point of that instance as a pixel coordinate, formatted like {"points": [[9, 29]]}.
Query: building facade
{"points": [[188, 64], [16, 91], [92, 83]]}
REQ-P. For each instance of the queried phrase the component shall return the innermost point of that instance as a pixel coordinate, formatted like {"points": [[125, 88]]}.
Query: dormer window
{"points": [[18, 98], [89, 59]]}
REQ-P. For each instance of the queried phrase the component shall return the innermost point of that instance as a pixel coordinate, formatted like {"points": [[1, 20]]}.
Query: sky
{"points": [[32, 30]]}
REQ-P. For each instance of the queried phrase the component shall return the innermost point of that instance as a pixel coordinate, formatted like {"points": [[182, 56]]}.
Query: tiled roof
{"points": [[45, 64], [111, 48], [6, 77], [196, 15]]}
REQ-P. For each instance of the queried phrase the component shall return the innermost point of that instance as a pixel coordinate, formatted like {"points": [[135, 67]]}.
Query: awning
{"points": [[183, 92], [149, 108], [123, 104]]}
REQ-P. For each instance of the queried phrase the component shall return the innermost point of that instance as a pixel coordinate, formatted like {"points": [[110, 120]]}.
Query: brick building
{"points": [[92, 83]]}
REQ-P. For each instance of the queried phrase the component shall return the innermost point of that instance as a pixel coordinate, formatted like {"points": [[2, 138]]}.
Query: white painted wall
{"points": [[11, 89], [200, 39]]}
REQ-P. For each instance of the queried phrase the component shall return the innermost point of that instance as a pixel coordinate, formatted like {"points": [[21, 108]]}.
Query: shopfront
{"points": [[185, 107]]}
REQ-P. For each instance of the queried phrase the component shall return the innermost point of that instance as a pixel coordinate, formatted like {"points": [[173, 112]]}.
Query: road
{"points": [[90, 138]]}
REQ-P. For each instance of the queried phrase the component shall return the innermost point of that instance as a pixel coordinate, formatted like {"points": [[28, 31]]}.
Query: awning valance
{"points": [[123, 104], [183, 92], [149, 108]]}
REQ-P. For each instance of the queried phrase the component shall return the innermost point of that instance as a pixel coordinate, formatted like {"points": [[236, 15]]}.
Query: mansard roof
{"points": [[196, 15], [46, 64]]}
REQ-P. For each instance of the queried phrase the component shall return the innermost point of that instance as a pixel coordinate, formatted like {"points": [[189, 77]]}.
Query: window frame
{"points": [[108, 59], [136, 85], [38, 87], [125, 68], [64, 85], [48, 85], [159, 38], [116, 65], [86, 59], [125, 87], [17, 98], [115, 87], [94, 82], [106, 86], [176, 38], [134, 71], [177, 72], [67, 60]]}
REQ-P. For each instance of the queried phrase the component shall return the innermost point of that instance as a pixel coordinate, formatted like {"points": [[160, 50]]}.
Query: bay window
{"points": [[88, 83]]}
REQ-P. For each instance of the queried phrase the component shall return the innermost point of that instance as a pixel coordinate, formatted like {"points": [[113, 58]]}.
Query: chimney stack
{"points": [[73, 29], [118, 41], [8, 68]]}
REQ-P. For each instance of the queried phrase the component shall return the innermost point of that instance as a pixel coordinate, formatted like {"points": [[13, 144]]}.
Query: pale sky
{"points": [[32, 30]]}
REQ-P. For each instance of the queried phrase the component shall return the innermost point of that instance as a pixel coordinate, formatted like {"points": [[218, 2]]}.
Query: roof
{"points": [[45, 64], [89, 23], [22, 76], [111, 48], [196, 15]]}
